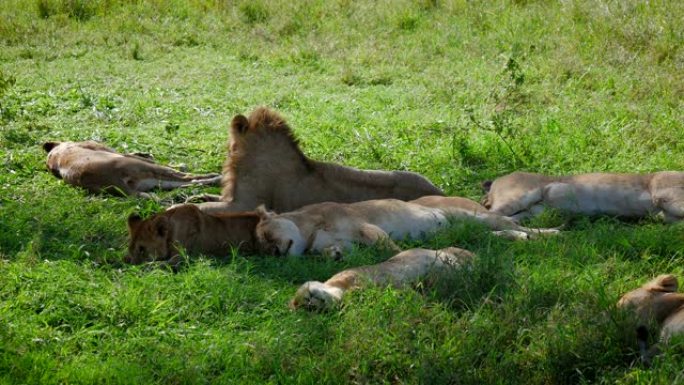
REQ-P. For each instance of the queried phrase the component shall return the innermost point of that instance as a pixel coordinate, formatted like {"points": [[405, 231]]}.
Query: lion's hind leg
{"points": [[166, 178], [177, 179], [506, 227]]}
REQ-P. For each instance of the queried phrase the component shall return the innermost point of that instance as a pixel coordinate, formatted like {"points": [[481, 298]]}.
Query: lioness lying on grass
{"points": [[266, 166], [656, 301], [160, 237], [331, 228], [98, 168], [404, 268], [521, 194]]}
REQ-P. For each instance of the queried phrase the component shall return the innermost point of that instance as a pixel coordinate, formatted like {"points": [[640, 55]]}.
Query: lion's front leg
{"points": [[374, 235], [331, 245], [334, 252], [508, 228]]}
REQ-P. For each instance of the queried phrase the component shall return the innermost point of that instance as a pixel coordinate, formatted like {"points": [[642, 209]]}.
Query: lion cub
{"points": [[333, 227], [159, 237], [659, 301], [521, 195], [404, 268], [98, 168]]}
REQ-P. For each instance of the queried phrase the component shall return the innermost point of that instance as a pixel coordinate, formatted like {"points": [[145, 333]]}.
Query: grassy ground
{"points": [[458, 91]]}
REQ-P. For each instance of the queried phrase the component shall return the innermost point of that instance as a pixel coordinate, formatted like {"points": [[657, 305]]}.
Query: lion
{"points": [[402, 269], [162, 236], [522, 195], [656, 301], [266, 166], [98, 168], [331, 227]]}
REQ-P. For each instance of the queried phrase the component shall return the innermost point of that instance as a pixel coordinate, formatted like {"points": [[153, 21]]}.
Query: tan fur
{"points": [[332, 227], [404, 268], [98, 168], [265, 166], [657, 301], [446, 202], [522, 195], [159, 237]]}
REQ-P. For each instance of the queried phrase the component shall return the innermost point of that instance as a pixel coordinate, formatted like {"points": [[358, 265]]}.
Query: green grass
{"points": [[458, 91]]}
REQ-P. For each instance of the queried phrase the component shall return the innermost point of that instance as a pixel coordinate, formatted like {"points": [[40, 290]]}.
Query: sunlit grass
{"points": [[458, 91]]}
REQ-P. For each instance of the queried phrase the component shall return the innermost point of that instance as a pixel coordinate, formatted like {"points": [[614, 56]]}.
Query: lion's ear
{"points": [[48, 146], [666, 283], [134, 221], [240, 124], [162, 226], [263, 213]]}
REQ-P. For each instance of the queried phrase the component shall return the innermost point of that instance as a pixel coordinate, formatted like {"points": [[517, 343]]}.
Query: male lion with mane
{"points": [[404, 268], [521, 195], [98, 168], [266, 166]]}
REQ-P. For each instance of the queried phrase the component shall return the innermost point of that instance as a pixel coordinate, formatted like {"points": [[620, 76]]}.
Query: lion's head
{"points": [[150, 239], [277, 235], [652, 301]]}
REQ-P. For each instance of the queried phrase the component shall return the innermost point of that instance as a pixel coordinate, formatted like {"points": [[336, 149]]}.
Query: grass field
{"points": [[458, 91]]}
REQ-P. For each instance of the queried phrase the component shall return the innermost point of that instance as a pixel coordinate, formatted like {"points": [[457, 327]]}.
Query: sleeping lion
{"points": [[98, 168], [404, 268], [659, 301], [330, 228], [521, 195], [162, 236], [266, 166]]}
